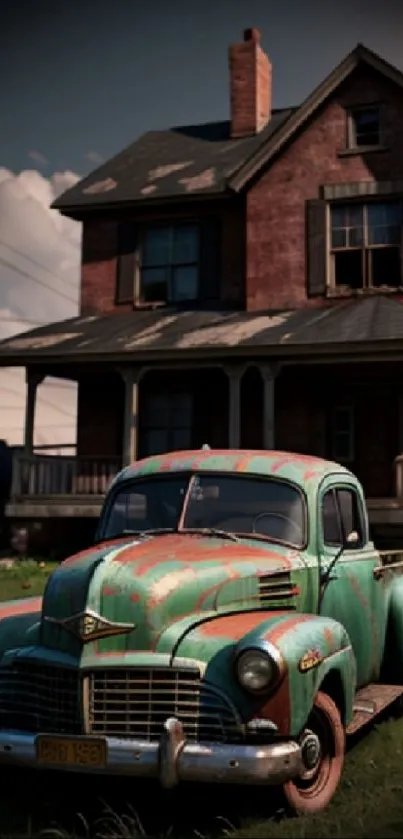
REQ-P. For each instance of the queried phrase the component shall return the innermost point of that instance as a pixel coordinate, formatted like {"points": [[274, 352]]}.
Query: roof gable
{"points": [[360, 55], [201, 160]]}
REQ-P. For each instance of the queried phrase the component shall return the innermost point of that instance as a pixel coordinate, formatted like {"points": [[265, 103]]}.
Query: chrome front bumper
{"points": [[172, 759]]}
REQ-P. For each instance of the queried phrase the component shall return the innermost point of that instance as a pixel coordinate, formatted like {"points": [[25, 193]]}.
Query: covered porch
{"points": [[315, 381], [349, 412], [129, 412]]}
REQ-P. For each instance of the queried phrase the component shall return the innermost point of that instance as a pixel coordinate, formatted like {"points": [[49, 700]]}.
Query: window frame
{"points": [[334, 490], [171, 226], [365, 249], [132, 481], [351, 455], [352, 114], [170, 428]]}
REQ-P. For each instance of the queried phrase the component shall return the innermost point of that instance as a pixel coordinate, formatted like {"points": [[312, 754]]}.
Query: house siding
{"points": [[276, 202]]}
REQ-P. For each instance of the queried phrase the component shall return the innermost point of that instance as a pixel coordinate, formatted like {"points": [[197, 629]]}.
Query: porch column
{"points": [[268, 373], [234, 406], [131, 379], [33, 380], [399, 459]]}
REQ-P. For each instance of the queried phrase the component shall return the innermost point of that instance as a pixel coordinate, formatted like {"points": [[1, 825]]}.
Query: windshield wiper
{"points": [[211, 531]]}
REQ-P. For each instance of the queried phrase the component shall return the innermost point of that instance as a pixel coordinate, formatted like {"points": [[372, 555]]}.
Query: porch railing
{"points": [[46, 476]]}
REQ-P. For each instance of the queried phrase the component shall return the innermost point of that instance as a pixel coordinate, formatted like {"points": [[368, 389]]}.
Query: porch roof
{"points": [[353, 326]]}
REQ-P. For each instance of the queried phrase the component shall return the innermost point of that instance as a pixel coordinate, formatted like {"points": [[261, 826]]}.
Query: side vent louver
{"points": [[277, 587]]}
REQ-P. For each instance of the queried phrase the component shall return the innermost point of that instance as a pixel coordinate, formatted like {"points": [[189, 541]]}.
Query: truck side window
{"points": [[351, 514], [331, 520]]}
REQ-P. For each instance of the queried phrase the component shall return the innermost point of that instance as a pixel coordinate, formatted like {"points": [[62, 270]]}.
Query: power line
{"points": [[45, 401], [43, 428], [35, 280], [34, 261], [54, 384], [23, 320]]}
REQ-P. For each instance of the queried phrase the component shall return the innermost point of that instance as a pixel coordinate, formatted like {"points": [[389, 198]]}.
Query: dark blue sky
{"points": [[80, 76]]}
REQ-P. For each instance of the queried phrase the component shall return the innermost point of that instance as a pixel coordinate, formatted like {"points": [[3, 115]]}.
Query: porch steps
{"points": [[370, 701]]}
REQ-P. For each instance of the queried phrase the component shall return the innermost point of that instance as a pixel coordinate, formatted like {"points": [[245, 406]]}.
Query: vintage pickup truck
{"points": [[232, 623]]}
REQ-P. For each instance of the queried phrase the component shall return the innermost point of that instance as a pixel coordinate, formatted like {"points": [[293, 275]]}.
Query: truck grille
{"points": [[135, 703], [118, 702], [37, 697]]}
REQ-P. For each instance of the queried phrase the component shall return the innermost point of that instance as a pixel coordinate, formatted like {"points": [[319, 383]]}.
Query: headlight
{"points": [[256, 670]]}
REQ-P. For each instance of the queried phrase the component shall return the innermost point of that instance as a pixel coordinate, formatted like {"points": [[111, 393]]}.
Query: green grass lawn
{"points": [[369, 804], [25, 579]]}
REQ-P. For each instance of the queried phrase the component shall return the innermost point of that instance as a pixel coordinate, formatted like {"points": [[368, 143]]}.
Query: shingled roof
{"points": [[163, 334], [203, 159], [186, 160]]}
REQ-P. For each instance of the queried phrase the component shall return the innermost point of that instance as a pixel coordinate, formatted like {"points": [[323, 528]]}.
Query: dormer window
{"points": [[364, 127], [170, 263]]}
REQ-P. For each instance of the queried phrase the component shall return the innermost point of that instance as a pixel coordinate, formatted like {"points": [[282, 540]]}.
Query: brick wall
{"points": [[276, 235], [100, 244]]}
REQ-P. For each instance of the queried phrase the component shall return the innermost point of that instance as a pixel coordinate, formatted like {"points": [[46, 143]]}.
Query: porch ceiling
{"points": [[375, 321]]}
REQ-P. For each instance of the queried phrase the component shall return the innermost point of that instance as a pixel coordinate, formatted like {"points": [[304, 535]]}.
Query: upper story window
{"points": [[169, 263], [365, 245], [364, 127]]}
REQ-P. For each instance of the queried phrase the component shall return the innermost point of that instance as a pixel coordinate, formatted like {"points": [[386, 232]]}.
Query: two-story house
{"points": [[241, 286]]}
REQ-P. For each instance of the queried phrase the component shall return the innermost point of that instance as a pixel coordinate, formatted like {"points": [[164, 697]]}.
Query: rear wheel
{"points": [[323, 748]]}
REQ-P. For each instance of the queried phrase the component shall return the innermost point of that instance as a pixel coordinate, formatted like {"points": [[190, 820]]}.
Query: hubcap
{"points": [[311, 751]]}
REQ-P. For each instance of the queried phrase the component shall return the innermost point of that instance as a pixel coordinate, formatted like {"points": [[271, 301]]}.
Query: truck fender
{"points": [[392, 665], [316, 652], [19, 623]]}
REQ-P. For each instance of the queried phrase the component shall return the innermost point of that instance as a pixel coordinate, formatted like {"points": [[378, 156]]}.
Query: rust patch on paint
{"points": [[24, 607], [235, 626], [278, 708], [276, 632], [328, 638]]}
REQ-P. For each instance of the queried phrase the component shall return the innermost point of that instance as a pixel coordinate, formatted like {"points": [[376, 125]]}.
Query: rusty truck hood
{"points": [[149, 586]]}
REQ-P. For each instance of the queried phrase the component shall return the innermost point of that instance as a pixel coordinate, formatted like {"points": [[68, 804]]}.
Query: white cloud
{"points": [[39, 282], [38, 158], [94, 157]]}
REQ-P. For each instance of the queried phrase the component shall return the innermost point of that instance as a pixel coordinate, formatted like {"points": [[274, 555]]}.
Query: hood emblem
{"points": [[89, 626]]}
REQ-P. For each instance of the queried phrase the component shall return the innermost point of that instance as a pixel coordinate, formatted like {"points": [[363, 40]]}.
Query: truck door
{"points": [[352, 596]]}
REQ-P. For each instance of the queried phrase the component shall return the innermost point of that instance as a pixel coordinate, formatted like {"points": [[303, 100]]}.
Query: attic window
{"points": [[364, 127]]}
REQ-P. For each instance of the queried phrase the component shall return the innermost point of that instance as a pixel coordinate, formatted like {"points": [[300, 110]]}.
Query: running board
{"points": [[370, 701]]}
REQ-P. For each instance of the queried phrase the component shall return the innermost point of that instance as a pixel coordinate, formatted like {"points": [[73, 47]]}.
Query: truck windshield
{"points": [[237, 504]]}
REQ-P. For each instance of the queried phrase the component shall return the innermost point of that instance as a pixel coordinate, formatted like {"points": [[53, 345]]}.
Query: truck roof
{"points": [[298, 468]]}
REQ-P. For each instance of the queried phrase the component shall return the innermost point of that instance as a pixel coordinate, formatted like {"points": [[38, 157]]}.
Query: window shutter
{"points": [[210, 258], [316, 247], [126, 262]]}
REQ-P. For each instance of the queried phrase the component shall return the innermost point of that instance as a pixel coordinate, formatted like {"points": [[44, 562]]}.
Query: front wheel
{"points": [[323, 746]]}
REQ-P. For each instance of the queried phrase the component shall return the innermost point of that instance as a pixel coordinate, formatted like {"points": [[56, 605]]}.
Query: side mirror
{"points": [[352, 540]]}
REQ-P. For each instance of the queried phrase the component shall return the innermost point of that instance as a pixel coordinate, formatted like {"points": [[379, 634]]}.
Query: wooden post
{"points": [[234, 406], [33, 380], [398, 464], [268, 373], [131, 380]]}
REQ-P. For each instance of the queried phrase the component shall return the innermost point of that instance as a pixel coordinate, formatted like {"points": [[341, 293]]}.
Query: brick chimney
{"points": [[250, 85]]}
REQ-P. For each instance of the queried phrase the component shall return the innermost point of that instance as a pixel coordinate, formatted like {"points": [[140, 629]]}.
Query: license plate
{"points": [[71, 751]]}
